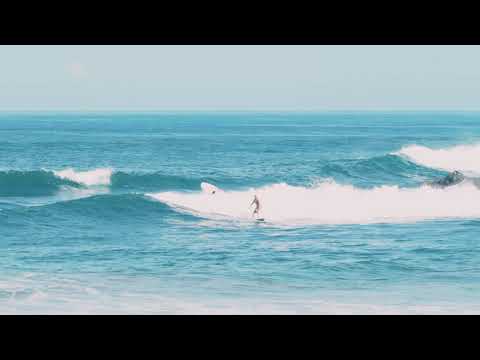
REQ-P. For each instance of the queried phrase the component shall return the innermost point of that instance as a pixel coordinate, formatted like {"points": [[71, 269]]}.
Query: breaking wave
{"points": [[31, 183], [40, 183], [332, 203], [88, 178], [465, 158], [385, 188]]}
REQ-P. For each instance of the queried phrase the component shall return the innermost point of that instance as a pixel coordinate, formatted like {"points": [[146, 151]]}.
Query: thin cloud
{"points": [[77, 70]]}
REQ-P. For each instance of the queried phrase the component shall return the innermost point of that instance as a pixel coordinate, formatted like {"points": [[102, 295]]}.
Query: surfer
{"points": [[452, 178], [255, 202]]}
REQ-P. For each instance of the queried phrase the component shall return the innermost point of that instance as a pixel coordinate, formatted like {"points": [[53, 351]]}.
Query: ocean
{"points": [[104, 213]]}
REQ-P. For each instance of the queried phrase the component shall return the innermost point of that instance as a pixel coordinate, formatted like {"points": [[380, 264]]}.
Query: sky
{"points": [[189, 78]]}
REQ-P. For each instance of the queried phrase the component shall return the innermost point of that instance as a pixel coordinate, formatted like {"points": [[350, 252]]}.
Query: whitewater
{"points": [[331, 203], [461, 157]]}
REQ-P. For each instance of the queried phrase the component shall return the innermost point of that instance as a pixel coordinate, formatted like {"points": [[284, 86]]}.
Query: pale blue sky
{"points": [[239, 77]]}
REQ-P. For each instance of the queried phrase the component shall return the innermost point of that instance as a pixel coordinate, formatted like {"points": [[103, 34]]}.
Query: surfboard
{"points": [[261, 219], [208, 188]]}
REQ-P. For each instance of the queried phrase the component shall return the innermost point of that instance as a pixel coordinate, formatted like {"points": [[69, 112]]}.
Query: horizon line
{"points": [[271, 110]]}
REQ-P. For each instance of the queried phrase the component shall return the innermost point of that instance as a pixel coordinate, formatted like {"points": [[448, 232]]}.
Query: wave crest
{"points": [[465, 158], [31, 183], [101, 176]]}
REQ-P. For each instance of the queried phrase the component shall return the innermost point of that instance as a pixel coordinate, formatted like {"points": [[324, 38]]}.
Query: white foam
{"points": [[464, 158], [45, 293], [100, 176], [331, 203]]}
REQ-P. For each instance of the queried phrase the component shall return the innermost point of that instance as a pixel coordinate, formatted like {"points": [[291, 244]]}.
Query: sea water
{"points": [[104, 213]]}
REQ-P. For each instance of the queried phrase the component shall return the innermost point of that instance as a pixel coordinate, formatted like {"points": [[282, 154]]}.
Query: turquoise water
{"points": [[104, 213]]}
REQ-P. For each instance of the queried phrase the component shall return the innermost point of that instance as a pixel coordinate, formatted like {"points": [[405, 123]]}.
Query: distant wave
{"points": [[31, 183], [123, 180], [370, 172], [152, 181], [465, 158], [379, 170], [100, 176], [39, 183], [332, 203]]}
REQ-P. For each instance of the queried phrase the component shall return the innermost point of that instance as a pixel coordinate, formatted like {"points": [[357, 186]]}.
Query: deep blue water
{"points": [[103, 212]]}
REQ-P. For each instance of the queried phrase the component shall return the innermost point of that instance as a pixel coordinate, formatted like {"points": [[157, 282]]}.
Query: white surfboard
{"points": [[209, 188]]}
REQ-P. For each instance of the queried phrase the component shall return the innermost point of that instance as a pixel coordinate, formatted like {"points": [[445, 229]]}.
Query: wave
{"points": [[332, 203], [31, 183], [146, 181], [465, 158], [153, 181], [118, 208], [40, 183], [379, 170], [100, 176], [15, 183], [409, 167], [109, 206]]}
